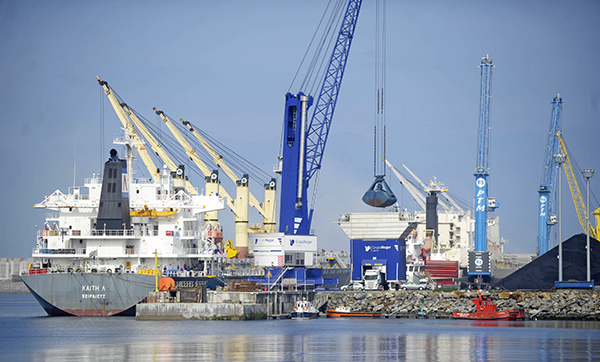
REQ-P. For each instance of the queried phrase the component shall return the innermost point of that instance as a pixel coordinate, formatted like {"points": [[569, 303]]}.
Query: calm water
{"points": [[27, 334]]}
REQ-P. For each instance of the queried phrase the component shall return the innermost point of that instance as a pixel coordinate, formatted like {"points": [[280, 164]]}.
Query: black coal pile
{"points": [[543, 271]]}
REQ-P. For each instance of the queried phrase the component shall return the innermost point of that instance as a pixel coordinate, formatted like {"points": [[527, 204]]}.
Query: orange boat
{"points": [[486, 310], [345, 312]]}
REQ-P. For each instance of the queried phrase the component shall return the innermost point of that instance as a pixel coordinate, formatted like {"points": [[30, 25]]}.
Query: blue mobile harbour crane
{"points": [[547, 189], [303, 144], [479, 267]]}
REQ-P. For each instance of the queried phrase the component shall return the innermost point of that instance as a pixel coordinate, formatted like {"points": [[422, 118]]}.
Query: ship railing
{"points": [[197, 251], [35, 271], [189, 233], [149, 271], [256, 272], [40, 251], [119, 232]]}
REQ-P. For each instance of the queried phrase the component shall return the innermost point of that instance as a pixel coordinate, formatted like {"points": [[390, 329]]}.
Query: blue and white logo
{"points": [[480, 182]]}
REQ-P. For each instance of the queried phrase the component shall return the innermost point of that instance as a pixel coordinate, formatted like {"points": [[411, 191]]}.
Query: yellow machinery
{"points": [[153, 214], [230, 250], [577, 198]]}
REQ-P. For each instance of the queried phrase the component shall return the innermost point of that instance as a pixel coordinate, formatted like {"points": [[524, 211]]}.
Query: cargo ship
{"points": [[104, 245]]}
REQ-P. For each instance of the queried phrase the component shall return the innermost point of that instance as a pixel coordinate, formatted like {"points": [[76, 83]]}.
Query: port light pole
{"points": [[559, 159], [588, 174]]}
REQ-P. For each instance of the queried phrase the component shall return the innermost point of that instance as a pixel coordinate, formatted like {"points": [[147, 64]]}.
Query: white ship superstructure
{"points": [[165, 220]]}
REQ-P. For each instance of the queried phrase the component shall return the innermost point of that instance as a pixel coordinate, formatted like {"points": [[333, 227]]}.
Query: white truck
{"points": [[373, 279]]}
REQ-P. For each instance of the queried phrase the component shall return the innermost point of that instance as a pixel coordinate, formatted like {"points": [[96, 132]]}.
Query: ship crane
{"points": [[580, 206], [266, 209], [547, 191], [479, 259], [304, 142], [244, 198], [123, 112], [130, 130], [416, 194], [211, 177], [435, 185]]}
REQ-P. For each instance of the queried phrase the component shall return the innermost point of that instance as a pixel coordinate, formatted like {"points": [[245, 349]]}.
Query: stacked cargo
{"points": [[443, 272], [242, 286]]}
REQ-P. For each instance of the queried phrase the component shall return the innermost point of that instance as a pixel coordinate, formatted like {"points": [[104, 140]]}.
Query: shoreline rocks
{"points": [[564, 304]]}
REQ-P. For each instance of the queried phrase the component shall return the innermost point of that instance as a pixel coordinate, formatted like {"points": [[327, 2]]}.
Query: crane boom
{"points": [[303, 142], [130, 129], [424, 186], [417, 196], [228, 171], [318, 130], [156, 146], [575, 193], [189, 150], [547, 191]]}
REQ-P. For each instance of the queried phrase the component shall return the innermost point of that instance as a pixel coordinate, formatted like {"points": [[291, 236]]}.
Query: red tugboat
{"points": [[486, 310]]}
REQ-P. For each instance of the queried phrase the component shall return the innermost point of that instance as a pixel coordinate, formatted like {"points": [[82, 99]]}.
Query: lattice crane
{"points": [[547, 190], [304, 142]]}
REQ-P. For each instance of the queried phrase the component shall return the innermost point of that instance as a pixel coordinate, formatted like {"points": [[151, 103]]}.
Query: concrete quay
{"points": [[218, 305], [200, 311]]}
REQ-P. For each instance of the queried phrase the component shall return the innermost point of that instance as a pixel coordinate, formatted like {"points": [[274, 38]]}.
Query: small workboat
{"points": [[304, 310], [345, 312], [486, 310]]}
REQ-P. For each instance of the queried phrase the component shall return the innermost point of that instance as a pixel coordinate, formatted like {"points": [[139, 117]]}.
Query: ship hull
{"points": [[89, 294], [505, 315]]}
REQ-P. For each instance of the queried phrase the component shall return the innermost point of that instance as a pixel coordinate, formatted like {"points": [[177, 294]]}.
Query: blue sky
{"points": [[226, 66]]}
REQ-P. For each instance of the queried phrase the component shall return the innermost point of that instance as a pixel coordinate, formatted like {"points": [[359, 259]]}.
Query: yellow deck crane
{"points": [[577, 198], [238, 205], [130, 130], [157, 146], [266, 209], [212, 178], [126, 115]]}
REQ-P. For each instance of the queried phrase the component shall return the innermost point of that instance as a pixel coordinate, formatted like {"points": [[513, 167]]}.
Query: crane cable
{"points": [[379, 168], [314, 74]]}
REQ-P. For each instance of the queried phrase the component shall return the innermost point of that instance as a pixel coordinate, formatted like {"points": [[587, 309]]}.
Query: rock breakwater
{"points": [[554, 305]]}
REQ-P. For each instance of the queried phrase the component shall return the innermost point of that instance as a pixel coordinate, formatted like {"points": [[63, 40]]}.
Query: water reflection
{"points": [[393, 341]]}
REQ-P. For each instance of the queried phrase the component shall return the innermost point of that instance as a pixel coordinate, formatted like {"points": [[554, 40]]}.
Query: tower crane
{"points": [[547, 191], [479, 258], [304, 142]]}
